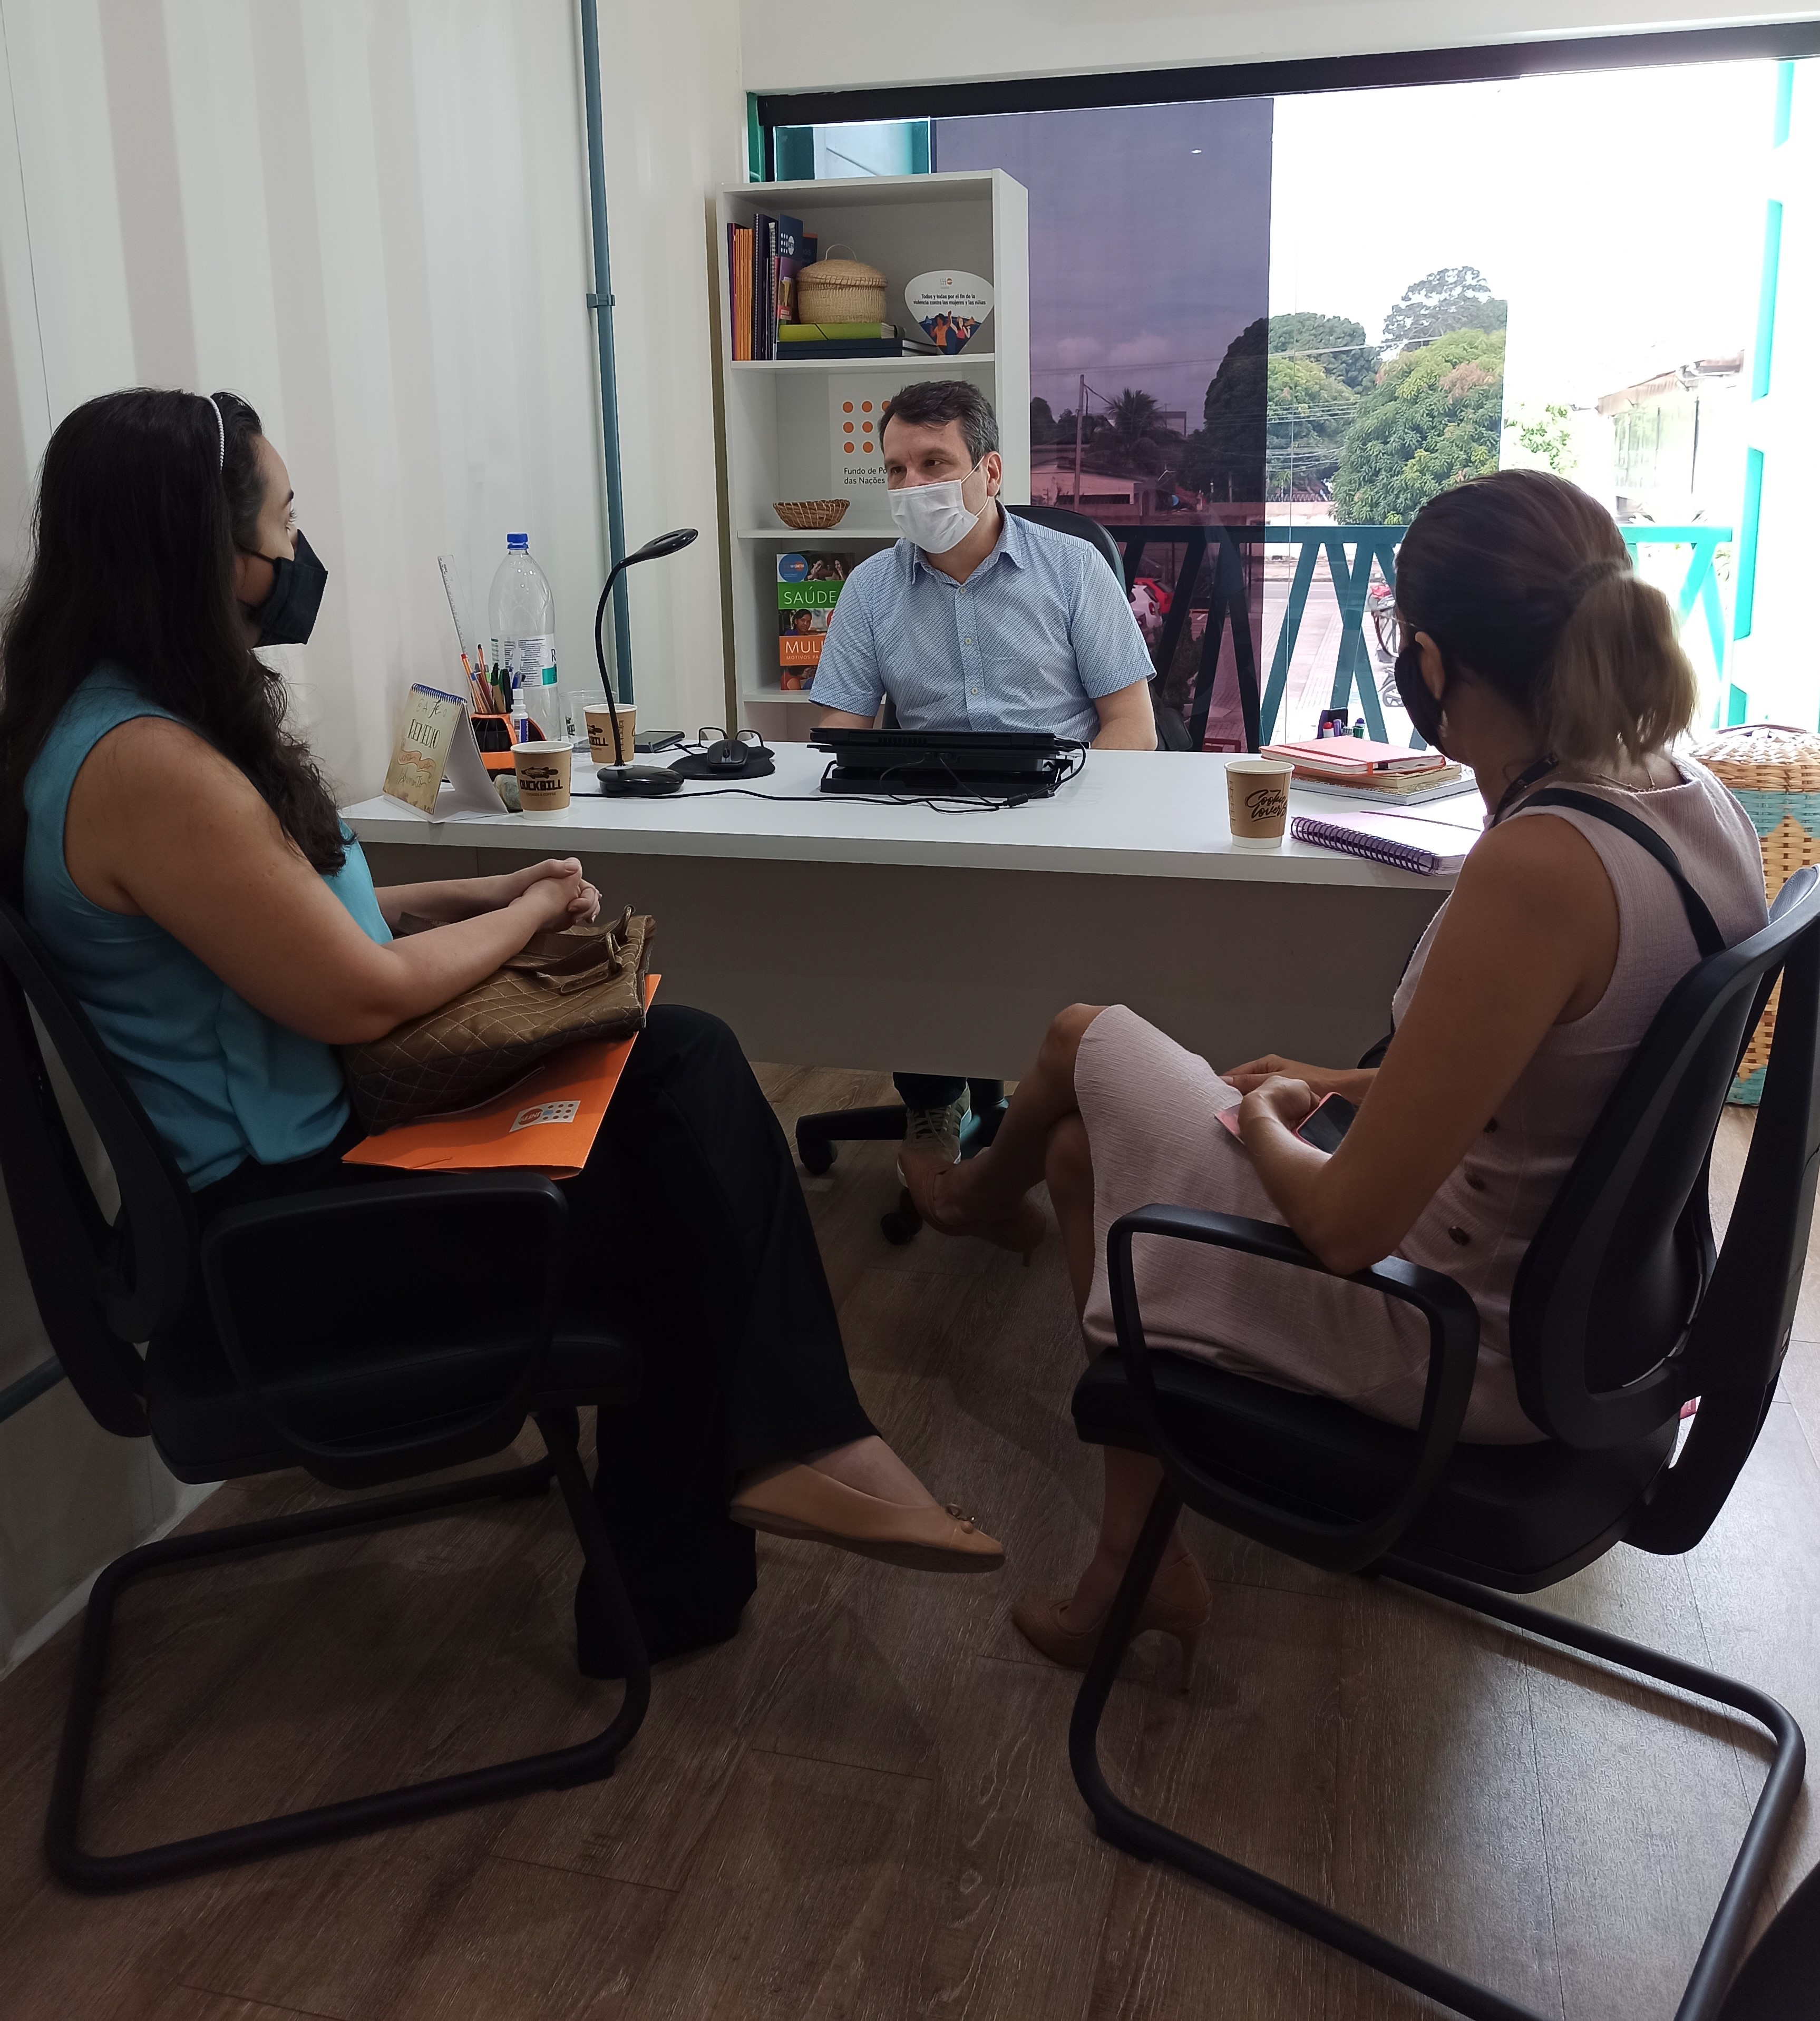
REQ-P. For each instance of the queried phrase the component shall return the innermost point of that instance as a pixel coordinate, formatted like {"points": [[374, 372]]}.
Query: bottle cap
{"points": [[518, 541]]}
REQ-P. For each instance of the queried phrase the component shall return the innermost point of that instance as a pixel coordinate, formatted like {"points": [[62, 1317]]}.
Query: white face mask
{"points": [[933, 516]]}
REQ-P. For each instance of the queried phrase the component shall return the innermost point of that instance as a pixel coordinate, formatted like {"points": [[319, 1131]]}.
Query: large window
{"points": [[1265, 327]]}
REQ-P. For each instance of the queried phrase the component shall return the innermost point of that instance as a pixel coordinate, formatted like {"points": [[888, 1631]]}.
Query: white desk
{"points": [[834, 932]]}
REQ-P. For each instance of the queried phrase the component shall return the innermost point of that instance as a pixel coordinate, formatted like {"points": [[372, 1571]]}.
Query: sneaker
{"points": [[936, 1132]]}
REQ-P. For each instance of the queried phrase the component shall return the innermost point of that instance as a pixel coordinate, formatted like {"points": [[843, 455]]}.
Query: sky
{"points": [[1620, 212]]}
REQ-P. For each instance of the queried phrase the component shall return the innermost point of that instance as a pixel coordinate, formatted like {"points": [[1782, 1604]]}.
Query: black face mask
{"points": [[289, 612], [1424, 709]]}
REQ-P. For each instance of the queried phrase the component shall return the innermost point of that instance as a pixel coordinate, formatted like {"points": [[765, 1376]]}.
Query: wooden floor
{"points": [[862, 1805]]}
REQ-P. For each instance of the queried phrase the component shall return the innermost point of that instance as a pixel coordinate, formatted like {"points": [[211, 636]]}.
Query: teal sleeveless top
{"points": [[220, 1081]]}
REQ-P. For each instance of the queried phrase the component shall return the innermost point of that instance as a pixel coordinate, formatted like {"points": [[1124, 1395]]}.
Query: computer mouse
{"points": [[728, 755]]}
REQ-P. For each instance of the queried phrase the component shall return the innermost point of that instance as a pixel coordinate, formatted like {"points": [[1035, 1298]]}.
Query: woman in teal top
{"points": [[181, 855], [222, 1082]]}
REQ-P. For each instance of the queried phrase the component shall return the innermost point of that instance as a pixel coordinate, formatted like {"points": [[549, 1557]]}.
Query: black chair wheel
{"points": [[900, 1226], [817, 1155]]}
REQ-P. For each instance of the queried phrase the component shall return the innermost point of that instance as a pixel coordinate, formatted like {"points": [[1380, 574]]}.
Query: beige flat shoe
{"points": [[1178, 1603], [801, 1502], [1020, 1231]]}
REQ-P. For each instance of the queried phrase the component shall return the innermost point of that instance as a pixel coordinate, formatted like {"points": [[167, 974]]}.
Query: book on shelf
{"points": [[1427, 844], [855, 347], [836, 332], [802, 623], [796, 249], [793, 651], [739, 281], [1350, 757], [809, 581]]}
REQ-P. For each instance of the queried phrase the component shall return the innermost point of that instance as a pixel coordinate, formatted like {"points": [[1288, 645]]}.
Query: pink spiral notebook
{"points": [[1423, 843]]}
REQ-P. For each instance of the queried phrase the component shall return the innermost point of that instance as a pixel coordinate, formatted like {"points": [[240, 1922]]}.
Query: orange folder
{"points": [[546, 1122]]}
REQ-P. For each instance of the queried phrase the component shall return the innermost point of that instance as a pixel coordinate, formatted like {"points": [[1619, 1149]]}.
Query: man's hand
{"points": [[1127, 721], [1353, 1083]]}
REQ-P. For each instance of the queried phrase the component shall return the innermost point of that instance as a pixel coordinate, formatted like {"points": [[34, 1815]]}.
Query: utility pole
{"points": [[1080, 415]]}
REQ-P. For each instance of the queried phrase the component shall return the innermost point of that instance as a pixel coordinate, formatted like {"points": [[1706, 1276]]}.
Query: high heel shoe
{"points": [[801, 1502], [1020, 1231], [1178, 1603]]}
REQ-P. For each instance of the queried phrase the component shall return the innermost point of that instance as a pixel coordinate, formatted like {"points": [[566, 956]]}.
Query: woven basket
{"points": [[1775, 771], [841, 291], [811, 516]]}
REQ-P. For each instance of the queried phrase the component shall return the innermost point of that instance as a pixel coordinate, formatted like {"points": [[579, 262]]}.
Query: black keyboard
{"points": [[1043, 743], [922, 763]]}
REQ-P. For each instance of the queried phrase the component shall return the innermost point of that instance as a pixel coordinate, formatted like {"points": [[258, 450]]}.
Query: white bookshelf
{"points": [[777, 415]]}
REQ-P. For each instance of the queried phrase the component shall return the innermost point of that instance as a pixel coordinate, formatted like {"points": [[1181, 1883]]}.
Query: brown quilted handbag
{"points": [[565, 985]]}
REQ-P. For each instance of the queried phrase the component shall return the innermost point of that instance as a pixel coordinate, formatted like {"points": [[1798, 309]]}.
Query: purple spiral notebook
{"points": [[1422, 842]]}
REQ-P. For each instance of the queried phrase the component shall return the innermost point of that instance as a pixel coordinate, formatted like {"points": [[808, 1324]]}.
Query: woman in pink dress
{"points": [[1531, 652]]}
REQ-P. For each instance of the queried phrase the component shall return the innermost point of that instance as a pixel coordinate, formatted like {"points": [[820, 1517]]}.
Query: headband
{"points": [[220, 430]]}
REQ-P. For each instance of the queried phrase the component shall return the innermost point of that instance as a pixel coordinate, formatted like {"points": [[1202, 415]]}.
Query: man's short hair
{"points": [[932, 403]]}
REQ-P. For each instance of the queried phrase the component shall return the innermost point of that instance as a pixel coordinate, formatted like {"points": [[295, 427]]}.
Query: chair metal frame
{"points": [[103, 1285], [1727, 1350]]}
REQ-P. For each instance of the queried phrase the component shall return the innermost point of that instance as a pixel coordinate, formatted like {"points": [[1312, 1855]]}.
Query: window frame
{"points": [[1498, 62]]}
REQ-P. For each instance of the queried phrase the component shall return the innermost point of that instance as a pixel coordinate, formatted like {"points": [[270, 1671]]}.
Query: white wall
{"points": [[674, 131], [370, 217], [824, 45]]}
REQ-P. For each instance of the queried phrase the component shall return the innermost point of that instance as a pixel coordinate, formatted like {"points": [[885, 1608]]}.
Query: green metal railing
{"points": [[1355, 556]]}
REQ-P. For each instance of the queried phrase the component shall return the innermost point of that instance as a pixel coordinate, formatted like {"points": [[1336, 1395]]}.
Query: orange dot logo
{"points": [[867, 447], [847, 427], [846, 407], [865, 407], [848, 447]]}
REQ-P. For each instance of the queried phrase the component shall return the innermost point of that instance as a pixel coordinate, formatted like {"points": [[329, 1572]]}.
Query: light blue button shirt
{"points": [[1034, 636]]}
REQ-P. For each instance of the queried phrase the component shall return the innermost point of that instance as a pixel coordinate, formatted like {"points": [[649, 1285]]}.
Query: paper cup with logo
{"points": [[542, 770], [600, 732], [1257, 801]]}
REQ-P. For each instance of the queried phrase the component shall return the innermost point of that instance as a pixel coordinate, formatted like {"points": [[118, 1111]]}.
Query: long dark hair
{"points": [[133, 536], [1525, 581]]}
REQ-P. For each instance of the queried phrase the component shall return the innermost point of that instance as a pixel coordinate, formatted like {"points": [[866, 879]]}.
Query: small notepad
{"points": [[436, 738], [1423, 843]]}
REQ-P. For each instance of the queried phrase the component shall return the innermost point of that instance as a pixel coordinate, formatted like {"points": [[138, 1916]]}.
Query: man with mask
{"points": [[976, 620]]}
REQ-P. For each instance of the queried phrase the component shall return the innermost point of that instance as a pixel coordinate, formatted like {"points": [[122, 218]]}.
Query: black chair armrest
{"points": [[439, 1229], [1337, 1544]]}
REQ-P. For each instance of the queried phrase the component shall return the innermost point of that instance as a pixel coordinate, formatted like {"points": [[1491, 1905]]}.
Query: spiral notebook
{"points": [[1425, 843]]}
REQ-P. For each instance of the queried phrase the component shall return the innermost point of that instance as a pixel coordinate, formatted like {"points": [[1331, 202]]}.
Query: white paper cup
{"points": [[542, 770], [1257, 802]]}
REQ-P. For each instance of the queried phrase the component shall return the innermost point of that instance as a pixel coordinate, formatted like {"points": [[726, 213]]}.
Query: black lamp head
{"points": [[664, 544]]}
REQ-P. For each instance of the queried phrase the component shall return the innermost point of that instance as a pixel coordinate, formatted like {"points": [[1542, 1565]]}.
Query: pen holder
{"points": [[493, 735]]}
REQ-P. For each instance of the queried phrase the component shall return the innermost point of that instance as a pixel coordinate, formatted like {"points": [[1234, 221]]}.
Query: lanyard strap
{"points": [[1707, 937]]}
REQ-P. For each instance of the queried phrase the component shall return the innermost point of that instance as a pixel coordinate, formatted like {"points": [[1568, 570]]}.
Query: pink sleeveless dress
{"points": [[1150, 1110]]}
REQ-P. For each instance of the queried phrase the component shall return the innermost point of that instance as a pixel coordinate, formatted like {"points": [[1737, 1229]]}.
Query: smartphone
{"points": [[1327, 1123], [1323, 1127]]}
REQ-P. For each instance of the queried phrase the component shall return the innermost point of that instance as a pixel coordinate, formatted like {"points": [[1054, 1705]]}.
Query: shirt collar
{"points": [[1012, 545]]}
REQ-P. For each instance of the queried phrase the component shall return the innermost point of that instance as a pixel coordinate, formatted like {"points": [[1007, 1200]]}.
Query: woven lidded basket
{"points": [[1775, 771], [841, 291]]}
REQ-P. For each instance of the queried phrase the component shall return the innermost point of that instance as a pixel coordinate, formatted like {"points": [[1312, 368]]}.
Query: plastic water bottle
{"points": [[523, 624]]}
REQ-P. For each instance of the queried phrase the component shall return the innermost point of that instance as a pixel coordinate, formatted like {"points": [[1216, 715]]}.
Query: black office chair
{"points": [[817, 1135], [446, 1374], [1621, 1313]]}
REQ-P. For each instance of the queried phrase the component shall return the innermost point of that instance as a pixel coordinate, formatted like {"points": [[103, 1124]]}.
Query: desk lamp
{"points": [[633, 779]]}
